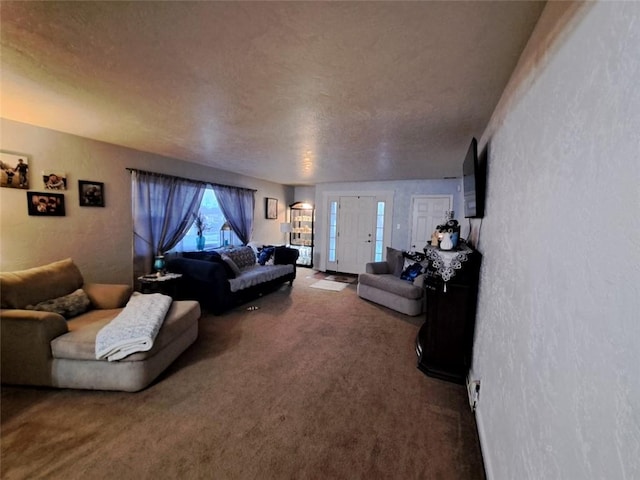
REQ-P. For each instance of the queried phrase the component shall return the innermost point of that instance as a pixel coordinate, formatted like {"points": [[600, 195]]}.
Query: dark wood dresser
{"points": [[445, 341]]}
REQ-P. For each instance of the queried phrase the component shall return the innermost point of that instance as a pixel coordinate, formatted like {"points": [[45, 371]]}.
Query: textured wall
{"points": [[98, 239], [558, 331]]}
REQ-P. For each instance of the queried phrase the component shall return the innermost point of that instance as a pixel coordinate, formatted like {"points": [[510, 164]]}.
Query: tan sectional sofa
{"points": [[44, 348]]}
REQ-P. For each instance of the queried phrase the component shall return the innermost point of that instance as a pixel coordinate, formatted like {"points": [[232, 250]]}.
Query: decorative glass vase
{"points": [[159, 263], [200, 242], [446, 243]]}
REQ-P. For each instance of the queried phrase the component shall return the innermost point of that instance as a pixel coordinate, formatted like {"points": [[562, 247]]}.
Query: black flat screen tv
{"points": [[473, 182]]}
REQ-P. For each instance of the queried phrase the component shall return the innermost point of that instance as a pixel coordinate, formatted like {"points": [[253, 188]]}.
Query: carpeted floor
{"points": [[312, 384]]}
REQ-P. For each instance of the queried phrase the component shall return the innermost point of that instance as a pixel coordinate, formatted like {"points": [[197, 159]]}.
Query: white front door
{"points": [[427, 212], [356, 227]]}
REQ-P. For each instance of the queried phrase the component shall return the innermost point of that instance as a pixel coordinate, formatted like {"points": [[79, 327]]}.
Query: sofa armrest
{"points": [[106, 296], [285, 256], [420, 280], [200, 270], [26, 345], [377, 268], [204, 281]]}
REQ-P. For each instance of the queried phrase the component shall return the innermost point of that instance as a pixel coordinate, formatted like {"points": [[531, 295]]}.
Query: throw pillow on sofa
{"points": [[265, 255], [68, 306], [228, 269], [229, 261], [241, 256]]}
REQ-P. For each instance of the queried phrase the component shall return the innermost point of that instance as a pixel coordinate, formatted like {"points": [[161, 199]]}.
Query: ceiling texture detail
{"points": [[297, 93]]}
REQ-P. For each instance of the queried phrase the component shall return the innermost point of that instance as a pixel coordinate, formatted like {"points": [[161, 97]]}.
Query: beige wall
{"points": [[98, 239]]}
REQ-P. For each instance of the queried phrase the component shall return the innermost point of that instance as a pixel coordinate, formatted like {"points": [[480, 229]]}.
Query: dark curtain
{"points": [[237, 205], [164, 208]]}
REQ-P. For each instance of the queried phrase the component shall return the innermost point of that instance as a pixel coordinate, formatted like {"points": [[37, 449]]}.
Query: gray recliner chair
{"points": [[382, 284]]}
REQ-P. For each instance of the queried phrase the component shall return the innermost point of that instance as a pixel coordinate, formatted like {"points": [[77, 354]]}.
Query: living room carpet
{"points": [[309, 385]]}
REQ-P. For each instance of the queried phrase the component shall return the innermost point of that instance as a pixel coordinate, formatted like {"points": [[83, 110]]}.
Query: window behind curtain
{"points": [[214, 218]]}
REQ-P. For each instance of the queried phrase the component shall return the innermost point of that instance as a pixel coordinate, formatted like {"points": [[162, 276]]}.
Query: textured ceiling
{"points": [[297, 93]]}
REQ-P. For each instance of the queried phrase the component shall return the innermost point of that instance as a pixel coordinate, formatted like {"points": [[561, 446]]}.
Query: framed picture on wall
{"points": [[45, 204], [54, 180], [271, 209], [91, 193], [14, 169]]}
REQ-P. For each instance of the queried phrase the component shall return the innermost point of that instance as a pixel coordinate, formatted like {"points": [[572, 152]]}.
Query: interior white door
{"points": [[356, 227], [427, 212]]}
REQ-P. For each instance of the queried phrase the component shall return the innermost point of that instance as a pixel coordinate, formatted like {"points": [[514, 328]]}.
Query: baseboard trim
{"points": [[484, 446]]}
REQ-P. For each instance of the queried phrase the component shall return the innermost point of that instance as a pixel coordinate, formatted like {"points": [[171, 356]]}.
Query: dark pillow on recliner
{"points": [[412, 271], [415, 264]]}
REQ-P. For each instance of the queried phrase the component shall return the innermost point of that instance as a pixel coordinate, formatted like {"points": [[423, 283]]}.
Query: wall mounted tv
{"points": [[474, 178]]}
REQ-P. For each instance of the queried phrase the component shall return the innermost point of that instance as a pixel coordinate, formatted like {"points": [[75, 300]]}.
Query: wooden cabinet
{"points": [[444, 344]]}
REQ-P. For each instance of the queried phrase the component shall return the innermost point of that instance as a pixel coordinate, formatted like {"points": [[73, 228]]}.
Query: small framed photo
{"points": [[271, 208], [45, 204], [91, 193], [14, 169], [54, 180]]}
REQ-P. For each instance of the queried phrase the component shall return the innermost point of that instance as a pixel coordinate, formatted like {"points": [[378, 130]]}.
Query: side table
{"points": [[166, 284]]}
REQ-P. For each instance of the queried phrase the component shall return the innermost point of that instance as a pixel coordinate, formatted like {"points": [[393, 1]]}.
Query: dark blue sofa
{"points": [[225, 278]]}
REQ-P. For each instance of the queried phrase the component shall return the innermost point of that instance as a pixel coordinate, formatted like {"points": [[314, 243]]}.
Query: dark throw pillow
{"points": [[415, 264], [412, 271], [265, 254]]}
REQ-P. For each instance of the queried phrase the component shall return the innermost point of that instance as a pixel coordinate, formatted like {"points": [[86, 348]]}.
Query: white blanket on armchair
{"points": [[135, 328]]}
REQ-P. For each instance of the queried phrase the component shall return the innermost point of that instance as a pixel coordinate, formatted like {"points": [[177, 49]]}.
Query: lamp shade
{"points": [[285, 228]]}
